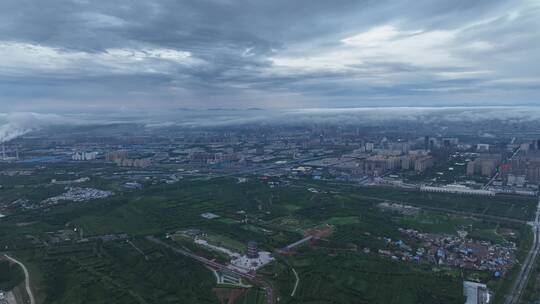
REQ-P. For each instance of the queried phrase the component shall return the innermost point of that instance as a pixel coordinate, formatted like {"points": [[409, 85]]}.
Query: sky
{"points": [[83, 56]]}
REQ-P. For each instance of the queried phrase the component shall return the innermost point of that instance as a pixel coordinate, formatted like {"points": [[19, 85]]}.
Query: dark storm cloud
{"points": [[69, 55]]}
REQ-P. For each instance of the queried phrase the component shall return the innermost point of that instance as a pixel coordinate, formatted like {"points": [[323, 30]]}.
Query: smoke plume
{"points": [[13, 125]]}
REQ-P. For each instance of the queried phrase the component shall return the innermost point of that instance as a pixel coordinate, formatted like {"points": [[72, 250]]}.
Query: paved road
{"points": [[26, 278], [525, 271], [254, 278]]}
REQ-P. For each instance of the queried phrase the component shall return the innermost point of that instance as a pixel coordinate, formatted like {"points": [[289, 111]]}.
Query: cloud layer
{"points": [[13, 125], [84, 56]]}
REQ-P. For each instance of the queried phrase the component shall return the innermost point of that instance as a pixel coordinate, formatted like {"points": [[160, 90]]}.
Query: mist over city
{"points": [[267, 152]]}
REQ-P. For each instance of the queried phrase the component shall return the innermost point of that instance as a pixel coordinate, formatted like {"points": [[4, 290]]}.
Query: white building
{"points": [[476, 293], [516, 180], [456, 189], [370, 146], [482, 147], [84, 156]]}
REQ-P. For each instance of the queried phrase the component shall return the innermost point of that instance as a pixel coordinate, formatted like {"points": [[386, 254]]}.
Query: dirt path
{"points": [[295, 283], [26, 278]]}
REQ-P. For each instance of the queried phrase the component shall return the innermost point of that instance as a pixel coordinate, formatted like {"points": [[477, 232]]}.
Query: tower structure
{"points": [[252, 251]]}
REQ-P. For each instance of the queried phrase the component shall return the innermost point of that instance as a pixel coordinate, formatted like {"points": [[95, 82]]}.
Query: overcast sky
{"points": [[91, 55]]}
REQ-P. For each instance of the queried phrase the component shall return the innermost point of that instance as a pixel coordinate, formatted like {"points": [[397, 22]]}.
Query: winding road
{"points": [[295, 283], [26, 278]]}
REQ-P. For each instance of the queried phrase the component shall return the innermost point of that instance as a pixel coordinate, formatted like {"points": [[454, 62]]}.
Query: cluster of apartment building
{"points": [[524, 167], [113, 156], [370, 164], [484, 165]]}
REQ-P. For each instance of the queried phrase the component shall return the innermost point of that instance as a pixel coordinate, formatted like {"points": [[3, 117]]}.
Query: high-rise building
{"points": [[393, 162], [370, 146], [116, 155], [449, 142], [525, 146], [406, 162], [484, 165], [432, 144], [526, 163], [422, 163], [401, 146]]}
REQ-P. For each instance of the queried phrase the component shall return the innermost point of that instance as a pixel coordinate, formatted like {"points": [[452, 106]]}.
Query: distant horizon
{"points": [[157, 110], [13, 125]]}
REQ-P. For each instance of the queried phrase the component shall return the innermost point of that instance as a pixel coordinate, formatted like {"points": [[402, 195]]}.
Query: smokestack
{"points": [[17, 153]]}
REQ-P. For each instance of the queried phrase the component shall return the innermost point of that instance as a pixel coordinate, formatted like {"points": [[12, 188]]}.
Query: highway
{"points": [[254, 278], [525, 271], [498, 172], [26, 278]]}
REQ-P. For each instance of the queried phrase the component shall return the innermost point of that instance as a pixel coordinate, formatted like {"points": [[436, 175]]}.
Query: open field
{"points": [[338, 279], [513, 207], [333, 271], [115, 273], [11, 275]]}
